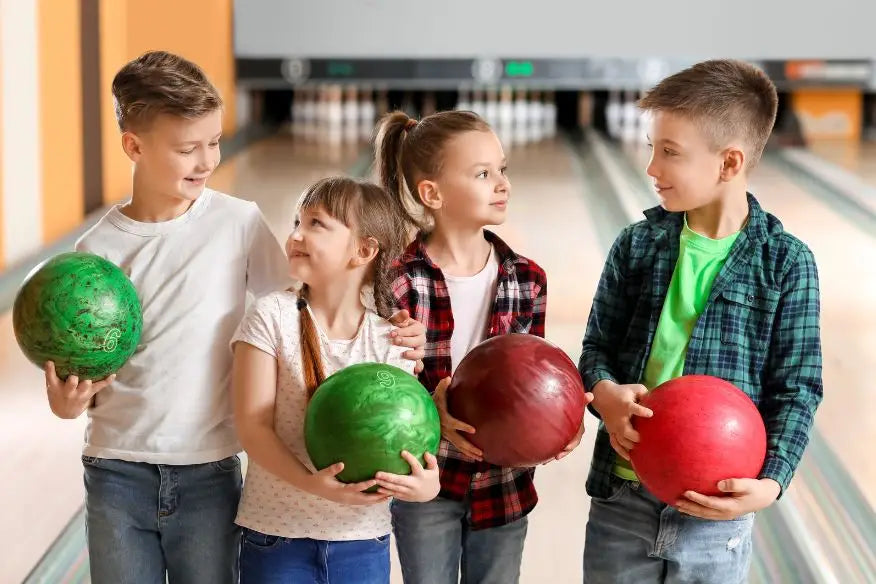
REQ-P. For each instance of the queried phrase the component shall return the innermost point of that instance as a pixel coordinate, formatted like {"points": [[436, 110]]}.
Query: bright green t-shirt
{"points": [[699, 261]]}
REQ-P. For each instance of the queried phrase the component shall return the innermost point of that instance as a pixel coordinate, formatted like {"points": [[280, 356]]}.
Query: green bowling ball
{"points": [[80, 311], [364, 416]]}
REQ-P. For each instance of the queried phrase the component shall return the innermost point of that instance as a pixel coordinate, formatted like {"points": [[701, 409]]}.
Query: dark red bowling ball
{"points": [[522, 394], [704, 430]]}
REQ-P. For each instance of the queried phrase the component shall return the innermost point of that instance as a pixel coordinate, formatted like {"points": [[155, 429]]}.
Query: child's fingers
{"points": [[623, 452], [459, 425], [400, 318], [465, 446], [388, 493], [51, 376], [102, 383], [361, 486], [414, 354], [416, 467], [332, 470], [631, 434], [85, 389], [388, 479], [431, 461], [640, 410], [393, 487], [625, 442], [71, 384]]}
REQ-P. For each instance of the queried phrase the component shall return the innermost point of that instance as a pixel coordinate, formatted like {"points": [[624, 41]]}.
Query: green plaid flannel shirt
{"points": [[759, 329]]}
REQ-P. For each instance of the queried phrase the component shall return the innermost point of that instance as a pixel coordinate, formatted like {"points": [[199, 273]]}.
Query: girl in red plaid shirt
{"points": [[465, 284]]}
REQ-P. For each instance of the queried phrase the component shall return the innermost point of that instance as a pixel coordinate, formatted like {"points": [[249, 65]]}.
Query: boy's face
{"points": [[176, 156], [685, 168]]}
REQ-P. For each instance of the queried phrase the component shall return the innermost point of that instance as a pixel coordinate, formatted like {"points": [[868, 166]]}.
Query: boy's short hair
{"points": [[157, 83], [729, 99]]}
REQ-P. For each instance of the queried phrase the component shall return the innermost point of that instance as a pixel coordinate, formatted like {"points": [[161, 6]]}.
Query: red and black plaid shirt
{"points": [[497, 496]]}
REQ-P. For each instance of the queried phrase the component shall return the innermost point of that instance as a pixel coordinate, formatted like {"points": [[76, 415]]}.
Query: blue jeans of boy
{"points": [[270, 559], [434, 539], [633, 538], [148, 522]]}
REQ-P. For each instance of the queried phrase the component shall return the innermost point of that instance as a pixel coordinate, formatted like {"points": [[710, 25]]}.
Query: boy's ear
{"points": [[733, 163], [132, 145]]}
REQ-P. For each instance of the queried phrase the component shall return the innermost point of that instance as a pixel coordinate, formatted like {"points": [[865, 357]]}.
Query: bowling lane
{"points": [[858, 158], [847, 416], [42, 451]]}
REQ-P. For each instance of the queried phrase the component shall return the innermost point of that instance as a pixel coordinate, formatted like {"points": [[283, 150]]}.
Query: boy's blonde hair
{"points": [[157, 83]]}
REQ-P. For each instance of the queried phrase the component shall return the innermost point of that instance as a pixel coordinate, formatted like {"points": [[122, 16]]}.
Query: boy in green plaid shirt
{"points": [[708, 283]]}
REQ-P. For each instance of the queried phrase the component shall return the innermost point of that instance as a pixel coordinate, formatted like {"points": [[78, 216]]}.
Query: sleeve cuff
{"points": [[778, 470], [591, 378]]}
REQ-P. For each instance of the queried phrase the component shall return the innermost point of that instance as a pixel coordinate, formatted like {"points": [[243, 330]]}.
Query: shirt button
{"points": [[750, 298], [477, 476]]}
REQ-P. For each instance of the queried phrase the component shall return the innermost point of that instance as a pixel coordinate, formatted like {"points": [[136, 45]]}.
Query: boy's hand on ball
{"points": [[617, 404], [742, 496], [69, 398]]}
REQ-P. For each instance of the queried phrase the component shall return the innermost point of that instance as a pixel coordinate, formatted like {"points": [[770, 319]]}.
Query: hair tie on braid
{"points": [[301, 304], [410, 124]]}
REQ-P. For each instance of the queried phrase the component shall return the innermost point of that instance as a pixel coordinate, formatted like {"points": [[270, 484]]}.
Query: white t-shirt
{"points": [[170, 403], [471, 301], [269, 504]]}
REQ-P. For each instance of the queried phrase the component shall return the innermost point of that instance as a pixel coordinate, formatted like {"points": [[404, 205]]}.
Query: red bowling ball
{"points": [[704, 430], [523, 396]]}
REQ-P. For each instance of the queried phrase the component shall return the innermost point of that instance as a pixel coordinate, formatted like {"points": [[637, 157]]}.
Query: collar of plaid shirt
{"points": [[497, 496], [416, 252]]}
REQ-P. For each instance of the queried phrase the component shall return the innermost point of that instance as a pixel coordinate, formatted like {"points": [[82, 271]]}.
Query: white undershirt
{"points": [[471, 301]]}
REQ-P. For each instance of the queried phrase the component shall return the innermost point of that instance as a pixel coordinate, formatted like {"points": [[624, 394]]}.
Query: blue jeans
{"points": [[434, 538], [633, 538], [271, 559], [148, 522]]}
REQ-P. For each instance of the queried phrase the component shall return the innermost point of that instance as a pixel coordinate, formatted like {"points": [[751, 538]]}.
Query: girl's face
{"points": [[472, 187], [321, 248]]}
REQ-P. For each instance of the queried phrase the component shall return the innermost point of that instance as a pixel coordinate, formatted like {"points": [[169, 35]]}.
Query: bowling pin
{"points": [[521, 116], [505, 129], [351, 114], [367, 114], [549, 110], [535, 121], [463, 102]]}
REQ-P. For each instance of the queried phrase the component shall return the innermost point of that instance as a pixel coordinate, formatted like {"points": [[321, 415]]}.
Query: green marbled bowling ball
{"points": [[364, 416], [80, 311]]}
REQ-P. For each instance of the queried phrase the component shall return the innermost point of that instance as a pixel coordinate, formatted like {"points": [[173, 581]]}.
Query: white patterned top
{"points": [[269, 504]]}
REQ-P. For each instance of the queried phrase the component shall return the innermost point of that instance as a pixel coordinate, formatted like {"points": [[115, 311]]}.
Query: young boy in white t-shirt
{"points": [[161, 473]]}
